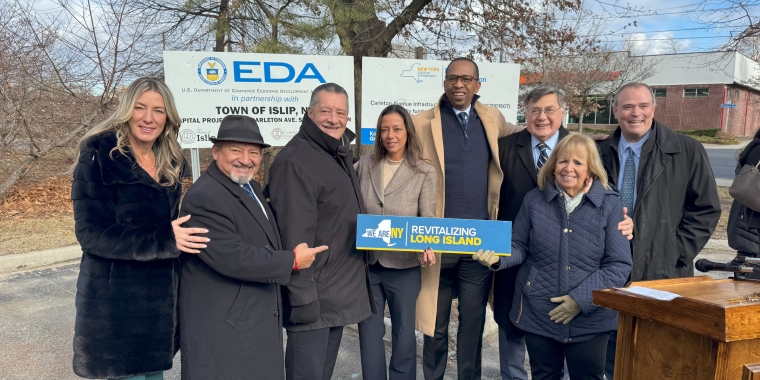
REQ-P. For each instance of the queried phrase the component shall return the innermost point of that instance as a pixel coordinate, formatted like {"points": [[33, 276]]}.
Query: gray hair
{"points": [[633, 85], [541, 91], [329, 87]]}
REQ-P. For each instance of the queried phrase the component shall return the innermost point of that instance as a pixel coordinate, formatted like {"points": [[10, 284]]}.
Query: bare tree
{"points": [[485, 29], [272, 26], [587, 70], [591, 80], [61, 72], [672, 46]]}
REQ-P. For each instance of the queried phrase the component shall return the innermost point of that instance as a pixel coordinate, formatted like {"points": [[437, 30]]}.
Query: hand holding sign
{"points": [[486, 258], [426, 258]]}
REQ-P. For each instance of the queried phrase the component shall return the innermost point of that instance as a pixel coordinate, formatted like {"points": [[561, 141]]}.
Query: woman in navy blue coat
{"points": [[566, 237]]}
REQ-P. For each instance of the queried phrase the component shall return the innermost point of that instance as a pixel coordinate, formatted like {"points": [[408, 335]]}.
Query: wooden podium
{"points": [[699, 335]]}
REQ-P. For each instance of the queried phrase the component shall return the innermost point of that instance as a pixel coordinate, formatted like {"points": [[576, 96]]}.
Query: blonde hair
{"points": [[169, 153], [574, 142]]}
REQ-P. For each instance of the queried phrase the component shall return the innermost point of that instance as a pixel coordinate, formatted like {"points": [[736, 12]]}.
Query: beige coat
{"points": [[428, 127], [409, 193]]}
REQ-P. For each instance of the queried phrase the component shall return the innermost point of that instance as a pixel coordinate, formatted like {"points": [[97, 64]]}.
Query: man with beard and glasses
{"points": [[229, 294]]}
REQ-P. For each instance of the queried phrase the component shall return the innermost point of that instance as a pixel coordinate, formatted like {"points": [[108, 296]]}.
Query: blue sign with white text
{"points": [[443, 235], [368, 136]]}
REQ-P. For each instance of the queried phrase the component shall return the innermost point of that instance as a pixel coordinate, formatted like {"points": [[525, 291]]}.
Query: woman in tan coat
{"points": [[395, 180]]}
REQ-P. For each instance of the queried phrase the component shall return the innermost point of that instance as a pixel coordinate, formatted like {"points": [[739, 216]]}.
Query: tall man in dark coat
{"points": [[229, 294], [521, 155], [665, 180], [315, 193]]}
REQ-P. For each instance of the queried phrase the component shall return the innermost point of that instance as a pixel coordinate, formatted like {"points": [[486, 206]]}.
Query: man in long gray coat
{"points": [[229, 294]]}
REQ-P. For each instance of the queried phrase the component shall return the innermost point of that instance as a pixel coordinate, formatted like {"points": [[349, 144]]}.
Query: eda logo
{"points": [[274, 72], [208, 70]]}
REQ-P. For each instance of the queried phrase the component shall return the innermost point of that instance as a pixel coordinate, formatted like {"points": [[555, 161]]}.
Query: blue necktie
{"points": [[463, 118], [629, 182], [249, 190], [542, 157]]}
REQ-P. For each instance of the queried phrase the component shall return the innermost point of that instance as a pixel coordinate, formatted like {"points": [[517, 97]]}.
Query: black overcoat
{"points": [[520, 177], [315, 194], [126, 291], [743, 221], [677, 205], [229, 294]]}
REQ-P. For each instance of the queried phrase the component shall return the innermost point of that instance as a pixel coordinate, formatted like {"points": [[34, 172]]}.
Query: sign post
{"points": [[195, 161], [728, 105]]}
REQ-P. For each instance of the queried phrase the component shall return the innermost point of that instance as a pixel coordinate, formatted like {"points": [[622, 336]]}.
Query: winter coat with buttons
{"points": [[677, 205], [567, 254], [315, 195], [229, 294]]}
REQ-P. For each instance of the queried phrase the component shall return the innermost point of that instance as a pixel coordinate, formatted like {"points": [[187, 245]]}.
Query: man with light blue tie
{"points": [[665, 180]]}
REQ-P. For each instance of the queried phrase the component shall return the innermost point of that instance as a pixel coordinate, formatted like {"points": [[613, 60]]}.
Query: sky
{"points": [[658, 23], [653, 26]]}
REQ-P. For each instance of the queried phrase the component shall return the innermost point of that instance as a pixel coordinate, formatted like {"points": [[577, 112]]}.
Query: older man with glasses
{"points": [[521, 156], [459, 138]]}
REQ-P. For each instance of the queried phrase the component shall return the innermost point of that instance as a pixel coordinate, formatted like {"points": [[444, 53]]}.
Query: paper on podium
{"points": [[652, 293]]}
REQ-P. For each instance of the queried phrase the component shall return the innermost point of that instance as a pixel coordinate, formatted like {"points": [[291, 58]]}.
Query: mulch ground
{"points": [[50, 198]]}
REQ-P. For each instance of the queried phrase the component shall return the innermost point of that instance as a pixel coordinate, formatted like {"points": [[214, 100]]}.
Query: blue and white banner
{"points": [[407, 233]]}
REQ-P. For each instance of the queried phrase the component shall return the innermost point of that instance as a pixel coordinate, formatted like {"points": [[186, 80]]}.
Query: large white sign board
{"points": [[275, 89], [418, 84]]}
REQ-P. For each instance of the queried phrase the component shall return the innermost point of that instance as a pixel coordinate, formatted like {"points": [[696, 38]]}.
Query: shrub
{"points": [[712, 132]]}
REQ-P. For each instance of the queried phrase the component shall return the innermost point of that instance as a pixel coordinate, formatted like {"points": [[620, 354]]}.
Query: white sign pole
{"points": [[195, 161], [728, 112]]}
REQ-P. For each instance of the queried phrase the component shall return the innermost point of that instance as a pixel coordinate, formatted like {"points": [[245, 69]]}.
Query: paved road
{"points": [[37, 312], [723, 162]]}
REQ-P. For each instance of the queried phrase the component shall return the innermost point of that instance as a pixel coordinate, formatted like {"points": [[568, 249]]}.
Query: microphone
{"points": [[748, 260], [703, 265]]}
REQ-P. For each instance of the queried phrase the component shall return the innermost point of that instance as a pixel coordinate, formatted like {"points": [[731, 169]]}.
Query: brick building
{"points": [[689, 90]]}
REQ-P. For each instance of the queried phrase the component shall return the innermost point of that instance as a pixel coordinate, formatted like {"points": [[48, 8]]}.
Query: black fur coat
{"points": [[126, 321]]}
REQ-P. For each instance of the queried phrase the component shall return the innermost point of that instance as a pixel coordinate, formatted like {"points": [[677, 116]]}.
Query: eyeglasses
{"points": [[548, 111], [749, 298], [466, 79]]}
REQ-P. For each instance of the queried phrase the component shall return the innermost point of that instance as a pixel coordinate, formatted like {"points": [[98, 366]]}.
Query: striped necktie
{"points": [[542, 157]]}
